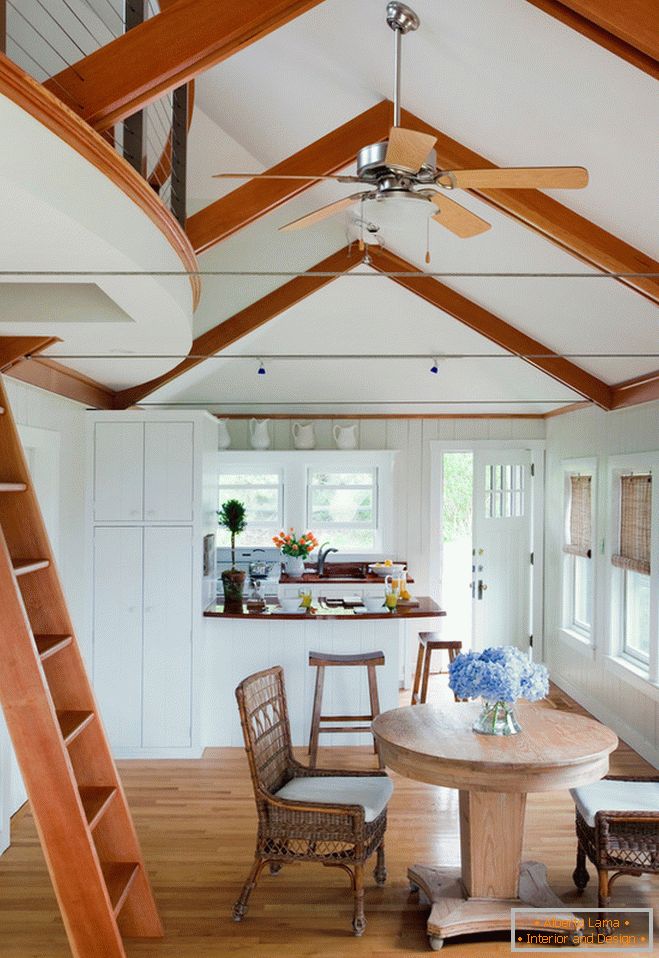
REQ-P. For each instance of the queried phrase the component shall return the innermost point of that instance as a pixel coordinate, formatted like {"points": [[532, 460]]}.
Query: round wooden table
{"points": [[554, 750]]}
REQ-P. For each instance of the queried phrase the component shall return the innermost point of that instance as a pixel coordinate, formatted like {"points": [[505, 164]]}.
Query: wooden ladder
{"points": [[79, 806]]}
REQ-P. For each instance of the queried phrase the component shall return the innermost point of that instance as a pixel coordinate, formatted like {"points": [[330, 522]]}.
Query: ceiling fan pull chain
{"points": [[428, 240]]}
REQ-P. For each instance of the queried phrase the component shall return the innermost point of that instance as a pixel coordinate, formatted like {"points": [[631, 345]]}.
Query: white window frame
{"points": [[295, 466], [227, 468], [618, 660], [570, 628], [374, 526]]}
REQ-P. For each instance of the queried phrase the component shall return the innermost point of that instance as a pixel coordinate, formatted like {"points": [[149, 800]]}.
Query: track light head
{"points": [[435, 367], [261, 370]]}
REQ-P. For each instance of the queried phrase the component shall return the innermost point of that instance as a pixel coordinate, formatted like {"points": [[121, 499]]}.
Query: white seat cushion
{"points": [[615, 797], [372, 792]]}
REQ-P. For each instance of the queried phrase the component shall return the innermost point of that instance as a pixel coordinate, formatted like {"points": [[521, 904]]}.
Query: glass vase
{"points": [[497, 718]]}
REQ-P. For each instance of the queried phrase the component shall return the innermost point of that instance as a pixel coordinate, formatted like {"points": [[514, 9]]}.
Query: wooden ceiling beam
{"points": [[638, 390], [63, 381], [246, 321], [562, 226], [493, 328], [629, 30], [326, 156], [15, 348], [168, 50]]}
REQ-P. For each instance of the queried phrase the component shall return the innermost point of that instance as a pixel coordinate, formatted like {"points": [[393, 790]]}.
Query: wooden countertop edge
{"points": [[409, 612], [19, 87]]}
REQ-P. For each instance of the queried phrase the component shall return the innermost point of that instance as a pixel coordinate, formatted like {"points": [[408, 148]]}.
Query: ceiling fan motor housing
{"points": [[371, 167]]}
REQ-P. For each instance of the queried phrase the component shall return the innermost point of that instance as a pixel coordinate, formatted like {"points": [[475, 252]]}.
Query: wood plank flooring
{"points": [[196, 822]]}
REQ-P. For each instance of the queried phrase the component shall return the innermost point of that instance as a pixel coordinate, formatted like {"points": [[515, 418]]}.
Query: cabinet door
{"points": [[118, 471], [118, 632], [167, 637], [168, 471]]}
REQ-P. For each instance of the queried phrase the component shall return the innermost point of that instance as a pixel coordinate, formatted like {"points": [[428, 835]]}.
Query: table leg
{"points": [[479, 897]]}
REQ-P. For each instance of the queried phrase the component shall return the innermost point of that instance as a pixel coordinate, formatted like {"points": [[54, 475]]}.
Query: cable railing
{"points": [[45, 37]]}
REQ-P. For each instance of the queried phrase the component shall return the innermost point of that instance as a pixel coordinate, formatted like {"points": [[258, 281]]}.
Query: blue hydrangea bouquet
{"points": [[499, 676]]}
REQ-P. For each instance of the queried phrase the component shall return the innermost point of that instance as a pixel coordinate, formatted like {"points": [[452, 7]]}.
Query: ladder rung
{"points": [[12, 487], [72, 723], [23, 566], [48, 645], [95, 800], [119, 876], [345, 728]]}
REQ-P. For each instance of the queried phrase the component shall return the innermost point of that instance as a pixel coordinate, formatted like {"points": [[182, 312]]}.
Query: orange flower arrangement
{"points": [[290, 545]]}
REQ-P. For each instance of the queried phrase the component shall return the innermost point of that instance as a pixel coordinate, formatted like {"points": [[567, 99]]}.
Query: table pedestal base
{"points": [[454, 913]]}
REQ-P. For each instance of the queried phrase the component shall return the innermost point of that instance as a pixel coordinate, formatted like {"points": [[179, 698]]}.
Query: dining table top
{"points": [[555, 749]]}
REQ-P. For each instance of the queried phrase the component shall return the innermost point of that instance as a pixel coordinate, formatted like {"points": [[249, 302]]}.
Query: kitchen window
{"points": [[343, 507], [262, 492]]}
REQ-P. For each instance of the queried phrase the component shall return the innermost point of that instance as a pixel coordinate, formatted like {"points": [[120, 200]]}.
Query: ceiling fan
{"points": [[405, 165]]}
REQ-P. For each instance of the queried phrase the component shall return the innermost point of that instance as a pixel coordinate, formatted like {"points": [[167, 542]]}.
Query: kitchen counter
{"points": [[338, 573], [426, 608], [237, 644]]}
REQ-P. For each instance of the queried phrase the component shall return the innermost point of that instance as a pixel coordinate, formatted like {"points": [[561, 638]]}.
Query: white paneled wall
{"points": [[412, 438], [592, 433]]}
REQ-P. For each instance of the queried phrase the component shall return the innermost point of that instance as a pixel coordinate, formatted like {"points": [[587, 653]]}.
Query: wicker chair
{"points": [[320, 830], [623, 841]]}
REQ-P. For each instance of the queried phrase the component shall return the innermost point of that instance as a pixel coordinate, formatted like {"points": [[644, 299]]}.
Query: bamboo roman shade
{"points": [[635, 520], [580, 529]]}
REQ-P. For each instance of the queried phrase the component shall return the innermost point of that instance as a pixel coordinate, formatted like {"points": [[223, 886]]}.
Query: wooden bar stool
{"points": [[320, 660], [428, 643]]}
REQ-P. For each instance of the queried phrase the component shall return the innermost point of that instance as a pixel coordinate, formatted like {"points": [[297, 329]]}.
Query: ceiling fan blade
{"points": [[281, 176], [520, 178], [407, 150], [323, 212], [457, 219]]}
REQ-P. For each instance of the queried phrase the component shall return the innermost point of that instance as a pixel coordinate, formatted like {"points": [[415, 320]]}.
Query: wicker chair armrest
{"points": [[299, 770], [354, 811], [628, 815], [631, 778]]}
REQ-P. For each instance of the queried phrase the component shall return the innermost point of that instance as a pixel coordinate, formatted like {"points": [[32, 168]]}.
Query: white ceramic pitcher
{"points": [[223, 437], [303, 435], [259, 434], [345, 437]]}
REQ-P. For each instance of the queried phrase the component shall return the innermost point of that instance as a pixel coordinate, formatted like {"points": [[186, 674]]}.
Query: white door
{"points": [[167, 637], [118, 471], [502, 548], [118, 632], [168, 471]]}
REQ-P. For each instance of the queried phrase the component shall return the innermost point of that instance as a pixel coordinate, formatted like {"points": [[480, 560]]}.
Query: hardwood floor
{"points": [[196, 822]]}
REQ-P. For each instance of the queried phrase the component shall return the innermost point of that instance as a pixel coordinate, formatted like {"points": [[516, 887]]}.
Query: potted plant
{"points": [[295, 550], [232, 516]]}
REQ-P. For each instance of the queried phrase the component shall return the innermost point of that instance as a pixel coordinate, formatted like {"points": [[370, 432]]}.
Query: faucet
{"points": [[322, 556]]}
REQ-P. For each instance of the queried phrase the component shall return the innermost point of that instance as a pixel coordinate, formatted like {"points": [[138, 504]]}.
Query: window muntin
{"points": [[263, 495], [504, 491], [343, 507]]}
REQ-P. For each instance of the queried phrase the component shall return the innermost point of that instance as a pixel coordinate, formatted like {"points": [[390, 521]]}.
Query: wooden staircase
{"points": [[77, 799]]}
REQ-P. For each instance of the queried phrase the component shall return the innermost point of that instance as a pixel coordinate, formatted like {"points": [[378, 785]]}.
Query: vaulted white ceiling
{"points": [[501, 77]]}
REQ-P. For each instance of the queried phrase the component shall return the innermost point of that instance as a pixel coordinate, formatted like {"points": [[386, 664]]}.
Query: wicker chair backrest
{"points": [[266, 729]]}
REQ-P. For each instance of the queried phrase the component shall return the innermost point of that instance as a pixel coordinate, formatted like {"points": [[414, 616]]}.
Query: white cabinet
{"points": [[143, 471], [168, 464], [167, 636], [118, 632], [118, 471], [152, 478], [143, 634]]}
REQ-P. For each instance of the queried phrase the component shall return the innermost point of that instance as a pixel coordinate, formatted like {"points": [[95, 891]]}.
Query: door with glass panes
{"points": [[502, 548]]}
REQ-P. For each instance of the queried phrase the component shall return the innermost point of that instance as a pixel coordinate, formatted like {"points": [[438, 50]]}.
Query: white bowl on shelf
{"points": [[374, 603], [379, 568], [290, 603]]}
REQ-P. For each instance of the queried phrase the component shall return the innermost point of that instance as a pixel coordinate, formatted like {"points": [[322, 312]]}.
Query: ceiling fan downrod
{"points": [[402, 20]]}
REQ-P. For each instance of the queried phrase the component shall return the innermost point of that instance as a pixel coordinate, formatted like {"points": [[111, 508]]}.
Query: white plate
{"points": [[392, 570], [289, 611]]}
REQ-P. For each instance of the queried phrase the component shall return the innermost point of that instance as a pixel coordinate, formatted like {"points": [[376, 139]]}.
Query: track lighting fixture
{"points": [[261, 371], [435, 367]]}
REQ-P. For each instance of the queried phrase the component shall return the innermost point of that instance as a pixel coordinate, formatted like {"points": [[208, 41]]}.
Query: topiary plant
{"points": [[233, 516]]}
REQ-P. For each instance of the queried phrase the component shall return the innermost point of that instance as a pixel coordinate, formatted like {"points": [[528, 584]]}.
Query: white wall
{"points": [[592, 433], [412, 438], [42, 410]]}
